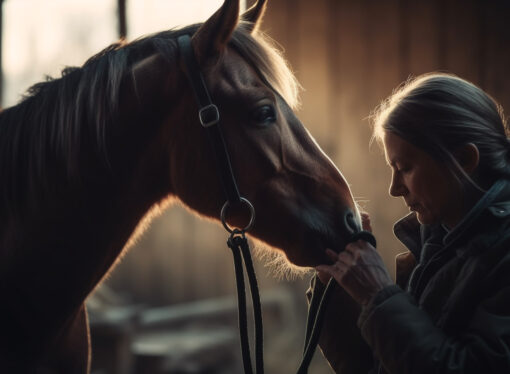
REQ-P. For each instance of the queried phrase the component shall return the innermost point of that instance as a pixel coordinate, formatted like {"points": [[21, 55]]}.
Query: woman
{"points": [[446, 143]]}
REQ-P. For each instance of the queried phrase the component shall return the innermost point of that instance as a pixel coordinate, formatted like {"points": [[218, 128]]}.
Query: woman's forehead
{"points": [[398, 150]]}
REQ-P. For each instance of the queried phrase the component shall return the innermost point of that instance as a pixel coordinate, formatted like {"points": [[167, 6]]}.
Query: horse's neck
{"points": [[67, 243]]}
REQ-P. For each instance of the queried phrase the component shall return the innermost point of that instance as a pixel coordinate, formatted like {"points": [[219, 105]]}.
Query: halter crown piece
{"points": [[209, 118]]}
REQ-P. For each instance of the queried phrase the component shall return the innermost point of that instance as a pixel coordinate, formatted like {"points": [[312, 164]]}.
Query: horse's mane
{"points": [[49, 127]]}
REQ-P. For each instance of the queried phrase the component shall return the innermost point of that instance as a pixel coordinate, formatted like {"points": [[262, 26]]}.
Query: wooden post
{"points": [[1, 66], [121, 6]]}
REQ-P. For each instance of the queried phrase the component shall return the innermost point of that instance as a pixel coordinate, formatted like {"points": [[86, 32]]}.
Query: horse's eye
{"points": [[264, 115]]}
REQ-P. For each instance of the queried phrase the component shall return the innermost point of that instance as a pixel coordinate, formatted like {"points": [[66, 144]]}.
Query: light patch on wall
{"points": [[41, 37], [148, 16]]}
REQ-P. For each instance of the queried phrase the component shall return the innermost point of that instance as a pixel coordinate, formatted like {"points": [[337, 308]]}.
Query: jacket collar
{"points": [[407, 230], [413, 235], [488, 201]]}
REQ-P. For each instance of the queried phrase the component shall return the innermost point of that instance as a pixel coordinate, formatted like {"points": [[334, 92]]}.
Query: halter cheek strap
{"points": [[209, 118]]}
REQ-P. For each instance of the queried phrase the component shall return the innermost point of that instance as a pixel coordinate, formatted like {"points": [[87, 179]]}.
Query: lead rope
{"points": [[314, 324], [238, 243]]}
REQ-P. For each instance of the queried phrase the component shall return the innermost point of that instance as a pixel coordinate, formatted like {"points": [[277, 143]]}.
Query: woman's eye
{"points": [[264, 115]]}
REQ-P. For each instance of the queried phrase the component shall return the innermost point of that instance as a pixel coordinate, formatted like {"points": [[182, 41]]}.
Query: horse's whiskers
{"points": [[276, 262]]}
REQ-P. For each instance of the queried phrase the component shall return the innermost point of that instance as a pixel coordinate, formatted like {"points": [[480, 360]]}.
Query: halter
{"points": [[209, 118]]}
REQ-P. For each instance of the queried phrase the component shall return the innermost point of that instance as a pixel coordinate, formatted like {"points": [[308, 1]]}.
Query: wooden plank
{"points": [[277, 23], [497, 58], [462, 39], [313, 68], [121, 16], [420, 26], [349, 88], [1, 52]]}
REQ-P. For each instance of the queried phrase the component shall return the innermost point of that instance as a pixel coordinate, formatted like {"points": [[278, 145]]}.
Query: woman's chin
{"points": [[424, 218]]}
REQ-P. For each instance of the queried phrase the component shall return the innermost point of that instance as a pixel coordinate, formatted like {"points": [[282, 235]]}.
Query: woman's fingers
{"points": [[323, 277], [365, 222], [345, 257], [332, 254], [359, 269], [325, 269], [337, 270]]}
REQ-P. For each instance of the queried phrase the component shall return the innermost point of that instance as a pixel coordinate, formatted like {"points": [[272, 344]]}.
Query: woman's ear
{"points": [[468, 157]]}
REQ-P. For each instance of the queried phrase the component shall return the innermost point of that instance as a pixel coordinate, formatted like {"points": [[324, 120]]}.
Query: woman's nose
{"points": [[397, 188]]}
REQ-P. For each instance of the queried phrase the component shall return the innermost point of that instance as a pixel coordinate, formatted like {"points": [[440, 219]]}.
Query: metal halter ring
{"points": [[224, 213]]}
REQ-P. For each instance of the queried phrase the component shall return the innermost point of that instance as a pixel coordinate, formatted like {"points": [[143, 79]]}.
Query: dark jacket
{"points": [[449, 313]]}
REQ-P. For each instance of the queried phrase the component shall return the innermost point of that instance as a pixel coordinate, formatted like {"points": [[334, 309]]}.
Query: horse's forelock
{"points": [[262, 52]]}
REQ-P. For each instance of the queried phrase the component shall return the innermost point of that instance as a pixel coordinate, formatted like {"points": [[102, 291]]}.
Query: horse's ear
{"points": [[212, 37], [254, 15]]}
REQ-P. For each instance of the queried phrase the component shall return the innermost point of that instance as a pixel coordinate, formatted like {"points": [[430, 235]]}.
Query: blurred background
{"points": [[170, 306]]}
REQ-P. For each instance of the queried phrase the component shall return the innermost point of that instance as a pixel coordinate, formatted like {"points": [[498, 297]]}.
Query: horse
{"points": [[88, 158]]}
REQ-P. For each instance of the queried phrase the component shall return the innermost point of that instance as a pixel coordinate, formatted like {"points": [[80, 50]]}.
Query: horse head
{"points": [[303, 204]]}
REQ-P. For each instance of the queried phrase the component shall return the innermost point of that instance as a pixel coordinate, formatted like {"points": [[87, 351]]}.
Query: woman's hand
{"points": [[359, 269], [367, 226]]}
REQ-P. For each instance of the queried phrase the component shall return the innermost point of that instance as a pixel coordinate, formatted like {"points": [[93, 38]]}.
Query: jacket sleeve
{"points": [[405, 339], [340, 341]]}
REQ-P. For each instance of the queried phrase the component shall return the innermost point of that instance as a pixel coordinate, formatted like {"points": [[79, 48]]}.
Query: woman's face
{"points": [[426, 185]]}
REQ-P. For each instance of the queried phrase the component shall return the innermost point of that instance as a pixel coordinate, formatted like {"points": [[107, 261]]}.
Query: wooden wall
{"points": [[348, 55]]}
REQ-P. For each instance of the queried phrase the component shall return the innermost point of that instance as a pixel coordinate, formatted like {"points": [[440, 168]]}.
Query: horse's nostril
{"points": [[350, 222]]}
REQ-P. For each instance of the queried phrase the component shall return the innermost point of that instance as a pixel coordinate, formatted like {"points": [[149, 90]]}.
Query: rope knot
{"points": [[237, 239]]}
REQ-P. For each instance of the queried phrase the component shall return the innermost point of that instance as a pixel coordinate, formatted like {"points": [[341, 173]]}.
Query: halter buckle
{"points": [[209, 115]]}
